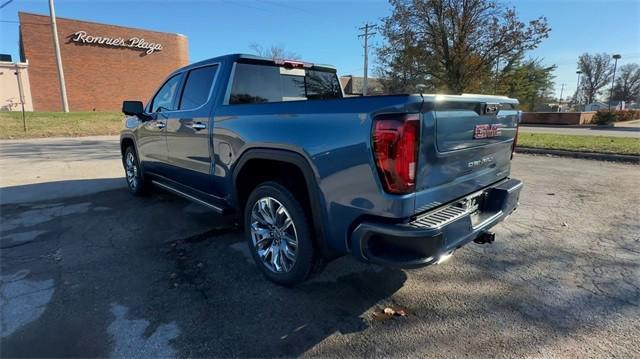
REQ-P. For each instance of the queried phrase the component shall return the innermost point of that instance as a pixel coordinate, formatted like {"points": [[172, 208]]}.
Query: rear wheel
{"points": [[133, 174], [279, 235]]}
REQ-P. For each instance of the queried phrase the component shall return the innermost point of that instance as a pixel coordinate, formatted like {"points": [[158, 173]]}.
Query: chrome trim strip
{"points": [[483, 223], [188, 196], [440, 217], [449, 213]]}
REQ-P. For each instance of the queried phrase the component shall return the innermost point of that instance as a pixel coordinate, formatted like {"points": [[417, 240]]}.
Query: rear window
{"points": [[262, 83]]}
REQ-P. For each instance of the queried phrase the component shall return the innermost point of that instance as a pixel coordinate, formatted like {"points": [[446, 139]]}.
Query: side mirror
{"points": [[132, 108]]}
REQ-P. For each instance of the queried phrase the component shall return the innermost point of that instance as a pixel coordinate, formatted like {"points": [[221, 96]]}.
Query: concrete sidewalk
{"points": [[621, 131], [48, 168]]}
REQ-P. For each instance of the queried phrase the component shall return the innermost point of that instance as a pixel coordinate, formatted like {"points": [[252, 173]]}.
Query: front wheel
{"points": [[135, 181], [279, 235]]}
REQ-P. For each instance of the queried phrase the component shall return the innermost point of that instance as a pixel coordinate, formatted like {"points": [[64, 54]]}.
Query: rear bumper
{"points": [[431, 235]]}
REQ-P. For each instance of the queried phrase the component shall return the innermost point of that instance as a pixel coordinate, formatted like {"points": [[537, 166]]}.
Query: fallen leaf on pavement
{"points": [[389, 312]]}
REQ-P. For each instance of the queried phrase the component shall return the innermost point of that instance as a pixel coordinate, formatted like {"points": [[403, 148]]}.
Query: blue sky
{"points": [[326, 31]]}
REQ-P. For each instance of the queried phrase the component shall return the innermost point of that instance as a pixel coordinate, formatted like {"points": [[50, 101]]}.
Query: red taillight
{"points": [[515, 141], [292, 64], [515, 138], [395, 148]]}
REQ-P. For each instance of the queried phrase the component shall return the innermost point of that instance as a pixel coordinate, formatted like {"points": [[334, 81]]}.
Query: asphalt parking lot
{"points": [[102, 273]]}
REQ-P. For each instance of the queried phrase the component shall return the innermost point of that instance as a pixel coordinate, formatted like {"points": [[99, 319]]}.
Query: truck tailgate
{"points": [[466, 145]]}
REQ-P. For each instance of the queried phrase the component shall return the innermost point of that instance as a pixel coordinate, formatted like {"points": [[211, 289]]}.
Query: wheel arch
{"points": [[126, 141], [299, 161]]}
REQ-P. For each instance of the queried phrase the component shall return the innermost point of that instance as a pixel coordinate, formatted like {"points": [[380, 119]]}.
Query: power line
{"points": [[6, 3], [367, 33]]}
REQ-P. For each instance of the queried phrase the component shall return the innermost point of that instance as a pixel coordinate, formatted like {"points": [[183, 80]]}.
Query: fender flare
{"points": [[311, 180], [130, 138]]}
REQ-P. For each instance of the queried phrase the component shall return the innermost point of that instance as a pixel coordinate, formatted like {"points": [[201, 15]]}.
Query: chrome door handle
{"points": [[198, 126], [160, 125]]}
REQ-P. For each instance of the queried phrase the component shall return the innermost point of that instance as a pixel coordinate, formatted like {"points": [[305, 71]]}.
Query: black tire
{"points": [[136, 184], [306, 259]]}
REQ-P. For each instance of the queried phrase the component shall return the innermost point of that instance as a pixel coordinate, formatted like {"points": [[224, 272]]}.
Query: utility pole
{"points": [[561, 92], [56, 48], [366, 28], [495, 83]]}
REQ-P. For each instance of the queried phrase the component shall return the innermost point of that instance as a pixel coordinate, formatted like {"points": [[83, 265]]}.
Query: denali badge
{"points": [[486, 131], [480, 162]]}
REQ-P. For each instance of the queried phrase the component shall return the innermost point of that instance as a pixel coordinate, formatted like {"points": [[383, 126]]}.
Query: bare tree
{"points": [[596, 74], [273, 52], [452, 45], [627, 87]]}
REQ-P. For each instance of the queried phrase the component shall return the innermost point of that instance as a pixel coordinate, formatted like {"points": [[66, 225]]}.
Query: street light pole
{"points": [[21, 95], [613, 80], [56, 49]]}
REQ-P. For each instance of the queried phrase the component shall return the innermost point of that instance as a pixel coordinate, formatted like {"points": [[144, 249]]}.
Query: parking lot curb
{"points": [[586, 155]]}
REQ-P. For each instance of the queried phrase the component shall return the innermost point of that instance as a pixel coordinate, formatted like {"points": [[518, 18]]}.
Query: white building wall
{"points": [[9, 90]]}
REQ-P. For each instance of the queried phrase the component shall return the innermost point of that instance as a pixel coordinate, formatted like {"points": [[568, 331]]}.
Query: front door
{"points": [[152, 141], [188, 131]]}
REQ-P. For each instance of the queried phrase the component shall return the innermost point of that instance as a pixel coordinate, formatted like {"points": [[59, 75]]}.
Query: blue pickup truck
{"points": [[400, 180]]}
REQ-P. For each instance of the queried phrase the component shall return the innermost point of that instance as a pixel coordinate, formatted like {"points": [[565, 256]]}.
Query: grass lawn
{"points": [[59, 124], [601, 144]]}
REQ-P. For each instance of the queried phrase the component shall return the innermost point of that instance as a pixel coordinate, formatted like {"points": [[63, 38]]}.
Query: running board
{"points": [[188, 196]]}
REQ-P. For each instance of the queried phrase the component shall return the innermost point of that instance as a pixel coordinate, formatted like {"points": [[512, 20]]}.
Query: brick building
{"points": [[103, 64]]}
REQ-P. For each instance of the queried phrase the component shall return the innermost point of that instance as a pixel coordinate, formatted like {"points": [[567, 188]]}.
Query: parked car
{"points": [[400, 180]]}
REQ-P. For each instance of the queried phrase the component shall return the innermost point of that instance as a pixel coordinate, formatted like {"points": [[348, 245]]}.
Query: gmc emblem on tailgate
{"points": [[486, 131], [491, 108]]}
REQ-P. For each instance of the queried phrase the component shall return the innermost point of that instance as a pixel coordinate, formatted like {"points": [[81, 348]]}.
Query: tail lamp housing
{"points": [[395, 140], [515, 138]]}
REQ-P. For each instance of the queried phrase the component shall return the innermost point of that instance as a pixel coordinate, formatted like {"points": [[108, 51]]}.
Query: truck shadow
{"points": [[115, 261], [241, 314]]}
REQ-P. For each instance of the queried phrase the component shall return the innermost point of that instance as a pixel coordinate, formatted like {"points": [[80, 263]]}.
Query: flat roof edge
{"points": [[102, 23]]}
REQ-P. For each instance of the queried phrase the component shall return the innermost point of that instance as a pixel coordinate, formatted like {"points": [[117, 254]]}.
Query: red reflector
{"points": [[515, 138], [395, 148], [291, 64], [515, 141]]}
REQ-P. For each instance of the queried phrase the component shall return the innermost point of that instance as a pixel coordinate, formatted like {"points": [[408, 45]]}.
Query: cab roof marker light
{"points": [[292, 63]]}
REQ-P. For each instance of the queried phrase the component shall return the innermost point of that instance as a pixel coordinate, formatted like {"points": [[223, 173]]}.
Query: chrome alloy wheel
{"points": [[274, 235], [131, 168]]}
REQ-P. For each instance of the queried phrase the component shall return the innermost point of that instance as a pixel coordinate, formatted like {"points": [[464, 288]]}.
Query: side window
{"points": [[197, 87], [256, 84], [164, 99]]}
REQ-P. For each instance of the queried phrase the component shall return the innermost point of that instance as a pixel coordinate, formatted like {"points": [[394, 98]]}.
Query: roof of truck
{"points": [[236, 57]]}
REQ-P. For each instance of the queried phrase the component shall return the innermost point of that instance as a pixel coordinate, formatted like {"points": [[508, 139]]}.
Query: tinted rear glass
{"points": [[197, 87], [263, 83]]}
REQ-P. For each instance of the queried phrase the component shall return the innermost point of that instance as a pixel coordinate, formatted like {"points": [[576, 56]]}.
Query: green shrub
{"points": [[605, 117], [627, 115]]}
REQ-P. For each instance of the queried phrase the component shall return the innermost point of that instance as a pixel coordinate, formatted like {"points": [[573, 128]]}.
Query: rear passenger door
{"points": [[188, 131]]}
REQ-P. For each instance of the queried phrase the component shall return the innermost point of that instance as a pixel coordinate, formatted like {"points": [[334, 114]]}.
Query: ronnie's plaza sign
{"points": [[134, 42]]}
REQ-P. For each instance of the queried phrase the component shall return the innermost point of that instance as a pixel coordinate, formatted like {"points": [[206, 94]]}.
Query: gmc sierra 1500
{"points": [[398, 180]]}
